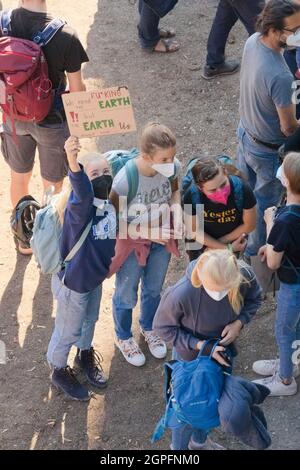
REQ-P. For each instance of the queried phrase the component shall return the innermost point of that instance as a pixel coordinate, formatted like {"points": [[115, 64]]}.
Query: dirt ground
{"points": [[204, 117]]}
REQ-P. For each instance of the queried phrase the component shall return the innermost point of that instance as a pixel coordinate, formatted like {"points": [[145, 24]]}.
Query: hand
{"points": [[217, 357], [72, 148], [262, 252], [269, 215], [231, 332], [239, 244]]}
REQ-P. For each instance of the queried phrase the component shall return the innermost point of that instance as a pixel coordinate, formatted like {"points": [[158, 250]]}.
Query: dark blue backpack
{"points": [[188, 183], [192, 392], [291, 271]]}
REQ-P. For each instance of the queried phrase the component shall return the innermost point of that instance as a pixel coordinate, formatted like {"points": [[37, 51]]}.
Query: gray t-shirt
{"points": [[266, 82], [153, 191]]}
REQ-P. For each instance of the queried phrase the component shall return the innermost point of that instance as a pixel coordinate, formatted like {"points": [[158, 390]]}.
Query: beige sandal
{"points": [[169, 46], [166, 33]]}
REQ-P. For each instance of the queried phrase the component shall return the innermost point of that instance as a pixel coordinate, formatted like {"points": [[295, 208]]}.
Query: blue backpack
{"points": [[188, 183], [117, 159], [192, 392]]}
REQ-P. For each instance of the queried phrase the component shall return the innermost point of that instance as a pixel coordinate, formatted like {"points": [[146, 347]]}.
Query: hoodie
{"points": [[90, 265], [187, 314]]}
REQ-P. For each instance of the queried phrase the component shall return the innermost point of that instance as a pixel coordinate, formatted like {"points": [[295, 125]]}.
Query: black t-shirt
{"points": [[220, 220], [285, 237], [64, 53]]}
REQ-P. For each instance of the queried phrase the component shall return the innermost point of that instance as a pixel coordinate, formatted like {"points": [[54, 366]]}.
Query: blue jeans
{"points": [[259, 164], [228, 12], [152, 277], [181, 435], [76, 316], [148, 26], [287, 326]]}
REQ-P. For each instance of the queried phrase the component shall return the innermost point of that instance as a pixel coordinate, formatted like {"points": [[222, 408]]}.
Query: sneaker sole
{"points": [[295, 374], [219, 74], [67, 395]]}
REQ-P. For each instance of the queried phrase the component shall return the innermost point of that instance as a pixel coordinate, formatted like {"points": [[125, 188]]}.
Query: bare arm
{"points": [[248, 225], [75, 81], [288, 121]]}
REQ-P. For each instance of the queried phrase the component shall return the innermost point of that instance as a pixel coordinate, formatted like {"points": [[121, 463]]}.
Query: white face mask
{"points": [[217, 296], [165, 169], [294, 39], [280, 176]]}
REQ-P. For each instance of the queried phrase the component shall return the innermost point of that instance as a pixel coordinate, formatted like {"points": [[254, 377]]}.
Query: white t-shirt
{"points": [[152, 199]]}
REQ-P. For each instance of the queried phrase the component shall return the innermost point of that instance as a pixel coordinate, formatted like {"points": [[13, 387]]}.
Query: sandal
{"points": [[168, 44], [166, 33]]}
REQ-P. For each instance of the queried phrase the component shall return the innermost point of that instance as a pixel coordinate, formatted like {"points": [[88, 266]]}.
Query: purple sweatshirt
{"points": [[187, 314]]}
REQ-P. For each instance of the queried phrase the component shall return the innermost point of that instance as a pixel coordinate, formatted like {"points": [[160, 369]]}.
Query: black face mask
{"points": [[102, 186]]}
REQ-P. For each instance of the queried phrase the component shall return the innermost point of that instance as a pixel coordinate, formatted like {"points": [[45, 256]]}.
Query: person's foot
{"points": [[166, 45], [270, 367], [89, 361], [166, 33], [209, 444], [227, 68], [277, 387], [131, 351], [65, 381], [156, 345]]}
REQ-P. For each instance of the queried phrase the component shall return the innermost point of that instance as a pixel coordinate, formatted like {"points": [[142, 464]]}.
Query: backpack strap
{"points": [[42, 38], [6, 22], [78, 245], [238, 192], [132, 175]]}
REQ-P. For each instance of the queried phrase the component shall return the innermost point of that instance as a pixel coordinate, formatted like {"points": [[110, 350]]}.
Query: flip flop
{"points": [[168, 43], [166, 33]]}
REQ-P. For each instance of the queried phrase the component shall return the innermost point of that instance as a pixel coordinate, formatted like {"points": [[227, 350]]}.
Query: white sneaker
{"points": [[131, 351], [277, 387], [270, 367], [156, 345], [209, 444]]}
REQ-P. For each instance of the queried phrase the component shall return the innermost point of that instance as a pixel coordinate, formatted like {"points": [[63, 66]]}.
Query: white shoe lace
{"points": [[153, 340], [130, 347]]}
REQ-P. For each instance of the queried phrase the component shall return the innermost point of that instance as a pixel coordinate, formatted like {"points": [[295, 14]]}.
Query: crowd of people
{"points": [[247, 209]]}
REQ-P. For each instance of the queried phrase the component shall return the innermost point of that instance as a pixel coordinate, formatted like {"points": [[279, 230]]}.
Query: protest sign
{"points": [[99, 112]]}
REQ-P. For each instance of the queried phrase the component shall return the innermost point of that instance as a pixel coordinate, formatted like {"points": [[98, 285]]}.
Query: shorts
{"points": [[48, 139]]}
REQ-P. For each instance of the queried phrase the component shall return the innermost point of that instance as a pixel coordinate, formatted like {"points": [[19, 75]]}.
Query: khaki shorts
{"points": [[48, 139]]}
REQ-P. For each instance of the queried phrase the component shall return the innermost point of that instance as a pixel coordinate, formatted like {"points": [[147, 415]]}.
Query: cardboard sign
{"points": [[99, 112]]}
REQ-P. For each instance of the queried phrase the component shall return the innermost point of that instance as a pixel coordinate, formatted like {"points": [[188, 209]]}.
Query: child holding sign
{"points": [[88, 218], [145, 253]]}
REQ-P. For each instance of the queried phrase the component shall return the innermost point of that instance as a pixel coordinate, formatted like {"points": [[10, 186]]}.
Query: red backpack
{"points": [[26, 92]]}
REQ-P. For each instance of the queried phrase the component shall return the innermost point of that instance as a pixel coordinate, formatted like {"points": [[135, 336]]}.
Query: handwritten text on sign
{"points": [[99, 112]]}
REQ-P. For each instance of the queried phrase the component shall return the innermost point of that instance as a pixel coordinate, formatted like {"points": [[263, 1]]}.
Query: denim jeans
{"points": [[181, 435], [259, 164], [228, 12], [148, 26], [76, 316], [287, 326], [152, 277]]}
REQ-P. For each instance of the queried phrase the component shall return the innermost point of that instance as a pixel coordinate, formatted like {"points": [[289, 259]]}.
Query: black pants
{"points": [[228, 12]]}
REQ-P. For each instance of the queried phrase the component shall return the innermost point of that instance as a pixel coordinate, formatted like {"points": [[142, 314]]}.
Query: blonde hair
{"points": [[156, 136], [291, 168], [89, 158], [223, 268]]}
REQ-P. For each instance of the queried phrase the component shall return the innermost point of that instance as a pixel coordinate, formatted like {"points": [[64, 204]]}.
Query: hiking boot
{"points": [[209, 444], [277, 387], [64, 380], [131, 351], [89, 361], [270, 367], [227, 68], [156, 345]]}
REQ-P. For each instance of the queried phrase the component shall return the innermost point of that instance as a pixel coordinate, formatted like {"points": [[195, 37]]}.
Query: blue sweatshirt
{"points": [[187, 314], [90, 265]]}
